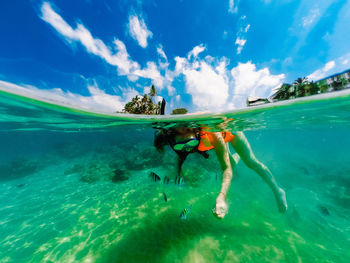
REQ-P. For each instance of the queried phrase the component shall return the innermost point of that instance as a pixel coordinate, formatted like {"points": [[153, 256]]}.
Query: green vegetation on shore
{"points": [[144, 104], [179, 111], [302, 87]]}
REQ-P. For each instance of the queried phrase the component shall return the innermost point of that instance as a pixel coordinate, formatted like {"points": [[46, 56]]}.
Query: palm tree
{"points": [[153, 91], [299, 85], [282, 93], [339, 83], [314, 89], [144, 104], [299, 81]]}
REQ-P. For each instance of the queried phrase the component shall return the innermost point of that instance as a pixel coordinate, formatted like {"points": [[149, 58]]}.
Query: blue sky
{"points": [[204, 55]]}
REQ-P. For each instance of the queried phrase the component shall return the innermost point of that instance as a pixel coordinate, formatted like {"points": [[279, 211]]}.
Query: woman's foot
{"points": [[281, 200]]}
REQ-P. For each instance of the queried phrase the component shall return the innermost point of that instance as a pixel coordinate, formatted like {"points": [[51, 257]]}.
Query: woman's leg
{"points": [[242, 147], [234, 158]]}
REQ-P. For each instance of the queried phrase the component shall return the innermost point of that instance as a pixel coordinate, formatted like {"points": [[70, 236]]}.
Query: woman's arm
{"points": [[222, 153]]}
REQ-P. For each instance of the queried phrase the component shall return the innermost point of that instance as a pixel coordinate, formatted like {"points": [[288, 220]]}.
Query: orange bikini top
{"points": [[206, 140]]}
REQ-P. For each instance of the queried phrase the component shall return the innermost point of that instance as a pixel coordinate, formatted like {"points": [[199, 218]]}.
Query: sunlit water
{"points": [[61, 200]]}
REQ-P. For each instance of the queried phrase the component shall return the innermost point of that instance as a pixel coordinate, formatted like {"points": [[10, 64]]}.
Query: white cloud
{"points": [[163, 59], [334, 66], [161, 52], [208, 80], [287, 61], [221, 67], [311, 17], [93, 45], [233, 6], [121, 59], [171, 90], [207, 84], [329, 66], [240, 42], [56, 20], [241, 34], [208, 89], [248, 81], [98, 101], [151, 72], [101, 100], [196, 51], [322, 72], [138, 30]]}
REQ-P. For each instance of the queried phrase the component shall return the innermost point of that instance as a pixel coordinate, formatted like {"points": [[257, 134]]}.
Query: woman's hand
{"points": [[221, 208]]}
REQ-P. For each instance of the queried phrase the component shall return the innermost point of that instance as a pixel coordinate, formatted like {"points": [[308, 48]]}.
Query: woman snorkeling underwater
{"points": [[195, 140]]}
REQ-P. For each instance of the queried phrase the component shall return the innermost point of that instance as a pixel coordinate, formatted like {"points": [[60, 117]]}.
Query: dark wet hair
{"points": [[165, 137], [160, 140]]}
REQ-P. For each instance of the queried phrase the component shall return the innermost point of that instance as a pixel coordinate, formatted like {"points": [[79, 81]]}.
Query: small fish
{"points": [[179, 180], [185, 212], [119, 175], [20, 185], [166, 180], [155, 177], [324, 210], [165, 197]]}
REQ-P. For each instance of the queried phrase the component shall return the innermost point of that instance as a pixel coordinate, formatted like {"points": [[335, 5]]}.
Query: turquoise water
{"points": [[61, 200]]}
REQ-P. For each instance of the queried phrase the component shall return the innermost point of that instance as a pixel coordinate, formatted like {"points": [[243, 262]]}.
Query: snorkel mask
{"points": [[187, 145]]}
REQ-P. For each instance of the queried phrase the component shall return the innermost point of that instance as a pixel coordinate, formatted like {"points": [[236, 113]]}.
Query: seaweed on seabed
{"points": [[96, 171], [195, 176], [18, 168], [102, 171], [119, 176], [140, 158], [152, 242], [77, 168]]}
